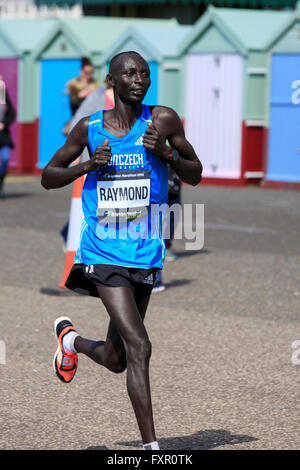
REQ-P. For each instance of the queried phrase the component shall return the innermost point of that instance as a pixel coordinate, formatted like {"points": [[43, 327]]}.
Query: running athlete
{"points": [[121, 246]]}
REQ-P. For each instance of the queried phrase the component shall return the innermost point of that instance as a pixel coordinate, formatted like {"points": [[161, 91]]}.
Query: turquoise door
{"points": [[54, 104], [283, 163], [152, 94]]}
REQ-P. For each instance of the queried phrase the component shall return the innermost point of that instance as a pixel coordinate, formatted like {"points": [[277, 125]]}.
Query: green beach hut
{"points": [[282, 168], [225, 84], [18, 40]]}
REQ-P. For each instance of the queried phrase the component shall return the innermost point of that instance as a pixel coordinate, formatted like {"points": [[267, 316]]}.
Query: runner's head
{"points": [[129, 75]]}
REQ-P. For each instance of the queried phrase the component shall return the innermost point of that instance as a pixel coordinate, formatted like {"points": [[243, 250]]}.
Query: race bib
{"points": [[123, 193]]}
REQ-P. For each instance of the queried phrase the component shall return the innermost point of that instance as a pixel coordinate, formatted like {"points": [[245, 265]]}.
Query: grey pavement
{"points": [[222, 375]]}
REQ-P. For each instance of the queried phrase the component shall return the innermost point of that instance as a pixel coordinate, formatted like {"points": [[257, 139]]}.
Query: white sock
{"points": [[151, 446], [68, 341]]}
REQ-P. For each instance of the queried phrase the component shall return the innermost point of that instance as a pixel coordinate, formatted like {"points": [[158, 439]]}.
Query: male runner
{"points": [[127, 174]]}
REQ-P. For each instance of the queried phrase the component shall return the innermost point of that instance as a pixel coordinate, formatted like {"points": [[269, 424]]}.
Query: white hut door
{"points": [[213, 112]]}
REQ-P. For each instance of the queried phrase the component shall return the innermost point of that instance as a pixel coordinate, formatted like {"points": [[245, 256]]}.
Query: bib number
{"points": [[123, 193]]}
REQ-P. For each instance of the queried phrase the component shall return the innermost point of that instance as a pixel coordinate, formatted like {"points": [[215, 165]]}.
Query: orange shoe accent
{"points": [[65, 363], [63, 333]]}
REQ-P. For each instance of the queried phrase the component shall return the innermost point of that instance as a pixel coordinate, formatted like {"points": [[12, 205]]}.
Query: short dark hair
{"points": [[85, 61], [117, 59]]}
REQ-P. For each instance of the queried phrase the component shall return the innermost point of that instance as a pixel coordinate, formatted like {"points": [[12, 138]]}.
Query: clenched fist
{"points": [[153, 141], [101, 157]]}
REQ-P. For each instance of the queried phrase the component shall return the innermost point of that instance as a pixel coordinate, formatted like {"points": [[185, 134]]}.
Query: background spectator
{"points": [[80, 87], [7, 116]]}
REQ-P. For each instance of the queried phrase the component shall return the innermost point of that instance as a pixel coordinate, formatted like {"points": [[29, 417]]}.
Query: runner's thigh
{"points": [[126, 320]]}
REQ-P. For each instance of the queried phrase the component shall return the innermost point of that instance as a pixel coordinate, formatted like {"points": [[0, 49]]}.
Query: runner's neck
{"points": [[124, 115]]}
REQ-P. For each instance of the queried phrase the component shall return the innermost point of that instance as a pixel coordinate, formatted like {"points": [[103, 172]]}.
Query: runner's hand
{"points": [[101, 157], [153, 141]]}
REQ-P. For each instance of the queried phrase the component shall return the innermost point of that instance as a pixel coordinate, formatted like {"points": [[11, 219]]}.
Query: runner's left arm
{"points": [[167, 125]]}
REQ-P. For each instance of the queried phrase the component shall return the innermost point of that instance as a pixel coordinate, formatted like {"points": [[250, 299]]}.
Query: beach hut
{"points": [[56, 61], [283, 102], [18, 39], [226, 71]]}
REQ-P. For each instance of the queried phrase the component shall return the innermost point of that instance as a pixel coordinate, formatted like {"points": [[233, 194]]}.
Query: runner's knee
{"points": [[139, 350]]}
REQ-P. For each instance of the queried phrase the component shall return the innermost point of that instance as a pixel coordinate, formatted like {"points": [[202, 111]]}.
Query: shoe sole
{"points": [[156, 290], [56, 322]]}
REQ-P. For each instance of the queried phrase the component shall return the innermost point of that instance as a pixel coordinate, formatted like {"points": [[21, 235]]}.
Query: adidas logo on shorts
{"points": [[149, 279], [139, 141]]}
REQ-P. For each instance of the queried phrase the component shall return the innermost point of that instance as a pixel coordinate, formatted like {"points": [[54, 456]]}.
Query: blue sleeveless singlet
{"points": [[123, 202]]}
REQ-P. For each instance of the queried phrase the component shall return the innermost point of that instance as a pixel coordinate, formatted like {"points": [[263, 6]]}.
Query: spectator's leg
{"points": [[4, 159]]}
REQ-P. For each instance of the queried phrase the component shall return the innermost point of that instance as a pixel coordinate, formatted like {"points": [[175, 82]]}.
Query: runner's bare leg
{"points": [[111, 352], [127, 344]]}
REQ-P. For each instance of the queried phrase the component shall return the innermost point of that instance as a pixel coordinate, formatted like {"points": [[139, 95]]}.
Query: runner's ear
{"points": [[105, 143]]}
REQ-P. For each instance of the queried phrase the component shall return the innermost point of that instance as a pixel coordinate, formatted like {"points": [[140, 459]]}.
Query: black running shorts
{"points": [[83, 279]]}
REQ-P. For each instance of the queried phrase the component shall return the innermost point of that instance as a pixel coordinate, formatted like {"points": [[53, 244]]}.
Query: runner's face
{"points": [[132, 80]]}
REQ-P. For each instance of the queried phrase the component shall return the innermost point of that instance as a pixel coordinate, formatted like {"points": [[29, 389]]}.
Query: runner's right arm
{"points": [[58, 172]]}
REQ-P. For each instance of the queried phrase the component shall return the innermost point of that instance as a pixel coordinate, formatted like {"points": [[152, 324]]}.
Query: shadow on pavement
{"points": [[98, 448], [178, 282], [200, 440], [185, 253], [16, 195]]}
